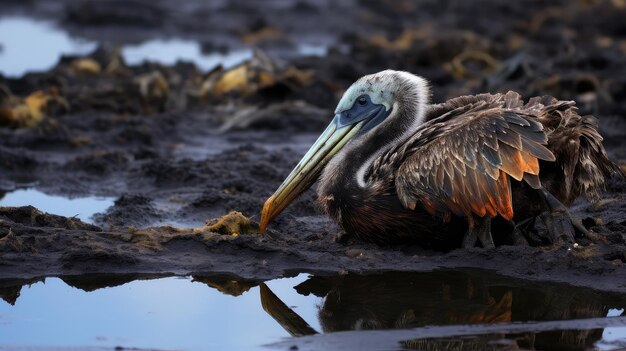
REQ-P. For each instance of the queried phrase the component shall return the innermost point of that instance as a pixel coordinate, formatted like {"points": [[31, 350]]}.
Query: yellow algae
{"points": [[458, 66], [248, 78], [227, 227], [234, 80], [28, 112], [263, 34], [85, 66], [233, 223]]}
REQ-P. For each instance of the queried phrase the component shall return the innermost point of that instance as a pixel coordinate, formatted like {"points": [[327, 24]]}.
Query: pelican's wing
{"points": [[461, 162]]}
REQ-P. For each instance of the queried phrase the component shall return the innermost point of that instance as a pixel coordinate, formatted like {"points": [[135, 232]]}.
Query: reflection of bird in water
{"points": [[414, 300], [405, 300], [285, 316], [390, 161]]}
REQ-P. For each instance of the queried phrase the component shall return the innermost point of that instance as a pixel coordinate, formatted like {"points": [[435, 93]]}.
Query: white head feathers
{"points": [[386, 88]]}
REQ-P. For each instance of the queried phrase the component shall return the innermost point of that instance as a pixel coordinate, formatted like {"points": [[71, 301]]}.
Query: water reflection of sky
{"points": [[170, 313], [35, 45], [613, 333], [29, 45], [170, 51], [83, 208]]}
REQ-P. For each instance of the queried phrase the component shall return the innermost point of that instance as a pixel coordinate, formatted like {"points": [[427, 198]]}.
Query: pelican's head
{"points": [[363, 107]]}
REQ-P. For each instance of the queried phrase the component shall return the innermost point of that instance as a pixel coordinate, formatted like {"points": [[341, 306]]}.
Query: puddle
{"points": [[81, 207], [31, 45], [436, 310], [613, 335], [312, 50], [34, 45], [168, 52], [169, 313]]}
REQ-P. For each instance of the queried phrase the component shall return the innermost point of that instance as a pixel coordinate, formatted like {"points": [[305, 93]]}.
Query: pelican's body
{"points": [[393, 167]]}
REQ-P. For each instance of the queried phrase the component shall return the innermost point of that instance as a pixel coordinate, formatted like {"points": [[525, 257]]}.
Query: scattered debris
{"points": [[234, 223], [85, 66], [28, 112], [297, 114], [154, 90], [251, 77]]}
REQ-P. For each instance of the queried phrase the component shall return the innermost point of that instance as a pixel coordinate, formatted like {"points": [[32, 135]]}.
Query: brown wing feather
{"points": [[461, 163]]}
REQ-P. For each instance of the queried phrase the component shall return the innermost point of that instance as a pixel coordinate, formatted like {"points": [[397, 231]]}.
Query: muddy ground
{"points": [[178, 145]]}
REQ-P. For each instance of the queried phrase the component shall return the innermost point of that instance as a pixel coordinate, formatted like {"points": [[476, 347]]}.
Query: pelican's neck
{"points": [[348, 169]]}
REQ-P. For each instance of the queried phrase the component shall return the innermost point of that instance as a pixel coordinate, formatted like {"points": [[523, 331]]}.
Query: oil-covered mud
{"points": [[179, 146]]}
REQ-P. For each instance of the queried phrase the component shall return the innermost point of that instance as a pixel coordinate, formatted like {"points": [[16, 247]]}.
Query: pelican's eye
{"points": [[362, 109]]}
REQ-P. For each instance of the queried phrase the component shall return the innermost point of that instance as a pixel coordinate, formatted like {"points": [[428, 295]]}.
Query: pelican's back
{"points": [[582, 166]]}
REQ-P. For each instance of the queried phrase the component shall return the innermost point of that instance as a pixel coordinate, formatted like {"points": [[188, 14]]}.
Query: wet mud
{"points": [[179, 147]]}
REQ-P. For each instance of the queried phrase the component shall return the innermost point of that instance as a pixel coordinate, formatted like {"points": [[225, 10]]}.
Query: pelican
{"points": [[392, 167]]}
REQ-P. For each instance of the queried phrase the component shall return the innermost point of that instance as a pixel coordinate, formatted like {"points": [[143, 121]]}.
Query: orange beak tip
{"points": [[266, 215]]}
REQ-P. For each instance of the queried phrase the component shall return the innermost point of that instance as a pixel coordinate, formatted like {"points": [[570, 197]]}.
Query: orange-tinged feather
{"points": [[532, 164], [505, 207]]}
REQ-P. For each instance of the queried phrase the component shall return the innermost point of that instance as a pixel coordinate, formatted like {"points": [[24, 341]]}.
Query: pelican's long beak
{"points": [[333, 139]]}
